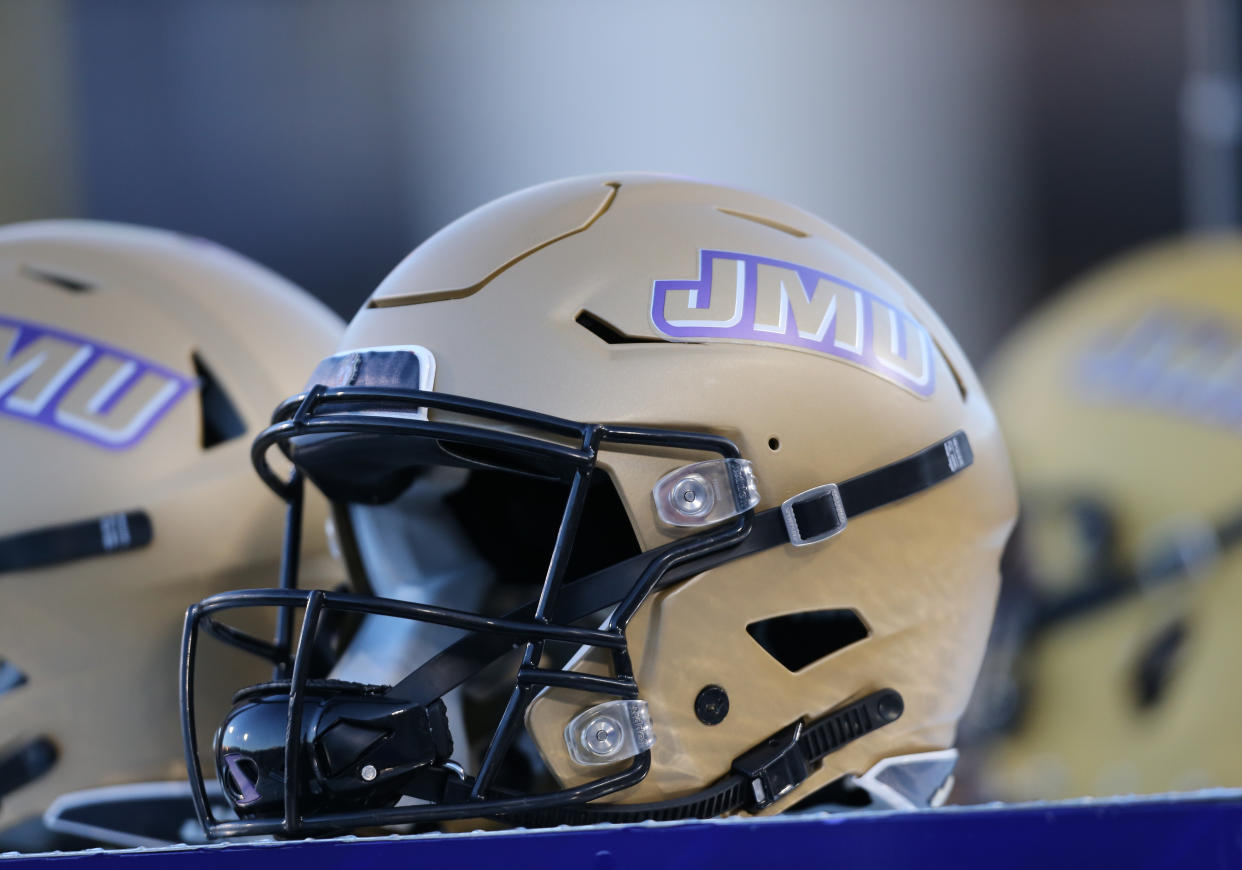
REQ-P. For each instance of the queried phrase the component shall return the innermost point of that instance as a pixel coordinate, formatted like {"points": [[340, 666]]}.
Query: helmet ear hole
{"points": [[774, 444], [798, 640]]}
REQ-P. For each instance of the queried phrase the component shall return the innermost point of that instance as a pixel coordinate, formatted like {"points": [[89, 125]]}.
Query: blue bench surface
{"points": [[1192, 830]]}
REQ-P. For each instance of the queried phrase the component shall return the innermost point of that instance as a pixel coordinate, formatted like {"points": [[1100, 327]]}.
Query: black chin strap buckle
{"points": [[774, 767], [815, 515]]}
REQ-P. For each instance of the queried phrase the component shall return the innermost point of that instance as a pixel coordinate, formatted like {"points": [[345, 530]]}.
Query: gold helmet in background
{"points": [[1122, 406], [647, 406], [135, 367]]}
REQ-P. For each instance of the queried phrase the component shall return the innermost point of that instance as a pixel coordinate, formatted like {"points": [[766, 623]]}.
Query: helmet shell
{"points": [[98, 638], [1124, 391], [563, 299]]}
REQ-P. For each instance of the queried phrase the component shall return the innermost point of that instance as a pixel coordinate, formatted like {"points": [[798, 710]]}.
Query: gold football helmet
{"points": [[135, 367], [1121, 404], [676, 502]]}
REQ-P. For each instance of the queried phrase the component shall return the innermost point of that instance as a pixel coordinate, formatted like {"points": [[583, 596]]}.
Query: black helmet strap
{"points": [[814, 516]]}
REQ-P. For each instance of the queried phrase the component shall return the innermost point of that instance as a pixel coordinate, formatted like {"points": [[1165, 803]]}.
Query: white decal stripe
{"points": [[104, 393], [782, 322], [34, 406], [120, 436], [925, 375], [829, 313], [740, 294], [857, 346], [739, 298]]}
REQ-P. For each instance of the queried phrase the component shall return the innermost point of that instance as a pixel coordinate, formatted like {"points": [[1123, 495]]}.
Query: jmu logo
{"points": [[741, 296], [76, 385], [1183, 363]]}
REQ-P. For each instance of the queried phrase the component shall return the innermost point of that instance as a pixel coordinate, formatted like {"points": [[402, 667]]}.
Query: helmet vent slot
{"points": [[10, 677], [57, 279], [1157, 666], [767, 222], [957, 379], [608, 333], [797, 640], [221, 420]]}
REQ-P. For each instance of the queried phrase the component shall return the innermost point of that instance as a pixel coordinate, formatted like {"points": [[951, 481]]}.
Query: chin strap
{"points": [[52, 545], [805, 519], [757, 778], [1177, 559]]}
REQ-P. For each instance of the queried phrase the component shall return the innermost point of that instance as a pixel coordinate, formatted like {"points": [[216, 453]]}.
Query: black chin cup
{"points": [[359, 748]]}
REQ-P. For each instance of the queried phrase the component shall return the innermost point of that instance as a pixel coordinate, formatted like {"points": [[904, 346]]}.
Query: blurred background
{"points": [[991, 151]]}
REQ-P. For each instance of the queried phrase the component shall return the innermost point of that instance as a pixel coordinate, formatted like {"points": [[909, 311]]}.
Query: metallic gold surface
{"points": [[99, 638], [1153, 444], [922, 573]]}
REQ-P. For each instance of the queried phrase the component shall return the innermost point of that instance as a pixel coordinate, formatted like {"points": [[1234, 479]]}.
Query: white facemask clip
{"points": [[706, 492], [609, 732]]}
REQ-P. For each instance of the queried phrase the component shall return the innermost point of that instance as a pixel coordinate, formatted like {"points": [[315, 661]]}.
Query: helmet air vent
{"points": [[609, 334], [221, 420], [24, 761], [1156, 667], [797, 640], [10, 677], [767, 222], [957, 379], [57, 279]]}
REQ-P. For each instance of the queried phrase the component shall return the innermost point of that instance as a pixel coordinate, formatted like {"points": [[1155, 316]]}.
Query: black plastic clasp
{"points": [[774, 767]]}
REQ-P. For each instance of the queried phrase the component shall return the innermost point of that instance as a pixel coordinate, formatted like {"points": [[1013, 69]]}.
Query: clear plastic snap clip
{"points": [[609, 732], [706, 492]]}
